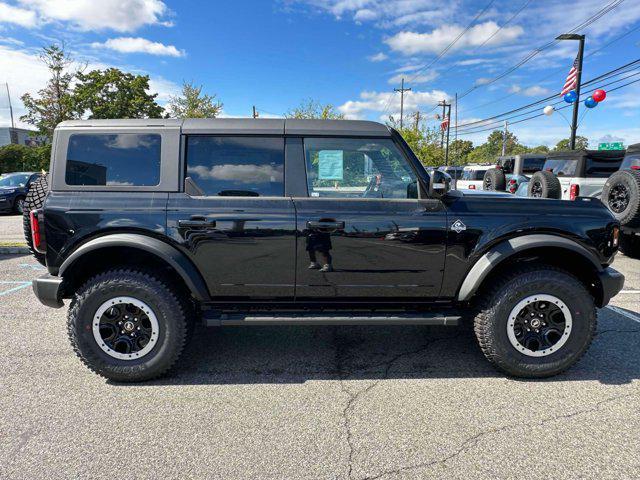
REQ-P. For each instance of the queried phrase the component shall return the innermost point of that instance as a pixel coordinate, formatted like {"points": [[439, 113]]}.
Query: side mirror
{"points": [[439, 184]]}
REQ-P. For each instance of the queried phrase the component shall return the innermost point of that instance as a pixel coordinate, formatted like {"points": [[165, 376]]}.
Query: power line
{"points": [[609, 7], [471, 132], [554, 72], [443, 52], [618, 70]]}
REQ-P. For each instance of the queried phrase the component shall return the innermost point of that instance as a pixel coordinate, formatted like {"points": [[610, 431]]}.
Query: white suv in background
{"points": [[583, 173], [472, 177]]}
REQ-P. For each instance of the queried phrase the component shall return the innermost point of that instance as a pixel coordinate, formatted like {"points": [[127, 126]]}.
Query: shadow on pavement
{"points": [[272, 355]]}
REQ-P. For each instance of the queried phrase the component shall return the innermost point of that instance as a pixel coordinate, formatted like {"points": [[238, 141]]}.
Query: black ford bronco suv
{"points": [[150, 226]]}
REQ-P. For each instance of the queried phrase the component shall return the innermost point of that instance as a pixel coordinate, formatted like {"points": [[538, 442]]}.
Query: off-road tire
{"points": [[548, 184], [494, 179], [630, 245], [629, 180], [34, 200], [490, 324], [172, 309]]}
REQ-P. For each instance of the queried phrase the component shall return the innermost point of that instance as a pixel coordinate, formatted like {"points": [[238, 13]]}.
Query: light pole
{"points": [[576, 104]]}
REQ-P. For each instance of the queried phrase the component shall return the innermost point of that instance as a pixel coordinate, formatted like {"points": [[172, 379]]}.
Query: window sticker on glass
{"points": [[330, 165]]}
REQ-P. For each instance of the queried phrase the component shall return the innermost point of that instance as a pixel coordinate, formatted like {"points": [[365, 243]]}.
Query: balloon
{"points": [[590, 103], [548, 110], [599, 95], [571, 96]]}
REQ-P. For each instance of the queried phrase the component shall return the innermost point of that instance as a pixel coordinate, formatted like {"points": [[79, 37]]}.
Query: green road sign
{"points": [[611, 146]]}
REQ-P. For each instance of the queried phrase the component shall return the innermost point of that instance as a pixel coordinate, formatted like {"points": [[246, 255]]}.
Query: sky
{"points": [[350, 53]]}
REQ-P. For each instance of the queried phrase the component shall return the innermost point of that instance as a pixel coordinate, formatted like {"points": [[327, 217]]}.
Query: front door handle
{"points": [[197, 221], [328, 225]]}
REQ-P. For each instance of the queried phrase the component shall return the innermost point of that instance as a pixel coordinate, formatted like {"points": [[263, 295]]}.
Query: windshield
{"points": [[561, 168], [14, 180], [473, 174]]}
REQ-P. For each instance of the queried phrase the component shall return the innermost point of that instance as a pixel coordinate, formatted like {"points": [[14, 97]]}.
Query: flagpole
{"points": [[576, 104]]}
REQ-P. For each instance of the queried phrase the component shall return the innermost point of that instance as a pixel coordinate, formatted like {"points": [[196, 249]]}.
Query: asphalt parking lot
{"points": [[315, 402], [11, 228]]}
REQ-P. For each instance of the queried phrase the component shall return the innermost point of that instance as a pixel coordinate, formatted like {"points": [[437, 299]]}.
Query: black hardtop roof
{"points": [[593, 154], [246, 126], [635, 148]]}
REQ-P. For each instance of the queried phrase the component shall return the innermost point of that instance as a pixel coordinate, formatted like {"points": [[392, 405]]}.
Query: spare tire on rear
{"points": [[621, 195], [544, 184], [494, 179], [35, 200]]}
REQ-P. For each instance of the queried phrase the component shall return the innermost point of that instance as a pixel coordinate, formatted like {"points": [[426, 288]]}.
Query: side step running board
{"points": [[419, 318]]}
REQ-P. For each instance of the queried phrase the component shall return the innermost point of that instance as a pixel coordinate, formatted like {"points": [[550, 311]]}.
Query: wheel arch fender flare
{"points": [[164, 251], [503, 250]]}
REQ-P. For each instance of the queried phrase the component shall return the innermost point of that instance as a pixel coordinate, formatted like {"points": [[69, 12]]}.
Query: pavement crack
{"points": [[472, 441], [353, 398]]}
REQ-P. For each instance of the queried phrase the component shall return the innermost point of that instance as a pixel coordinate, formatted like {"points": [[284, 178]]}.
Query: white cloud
{"points": [[365, 14], [16, 15], [473, 61], [533, 91], [378, 57], [139, 45], [410, 43], [414, 79], [119, 15], [389, 102], [24, 72]]}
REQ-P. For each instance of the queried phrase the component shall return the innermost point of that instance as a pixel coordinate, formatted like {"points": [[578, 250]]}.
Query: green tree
{"points": [[424, 142], [459, 150], [54, 103], [540, 149], [582, 143], [192, 103], [115, 94], [24, 158], [312, 109]]}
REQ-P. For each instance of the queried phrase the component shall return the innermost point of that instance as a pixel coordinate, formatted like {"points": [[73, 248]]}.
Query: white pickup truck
{"points": [[583, 173]]}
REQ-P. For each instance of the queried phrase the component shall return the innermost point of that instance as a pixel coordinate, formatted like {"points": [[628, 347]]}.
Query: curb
{"points": [[14, 250]]}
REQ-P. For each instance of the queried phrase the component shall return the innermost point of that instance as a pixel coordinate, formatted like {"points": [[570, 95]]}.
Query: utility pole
{"points": [[401, 90], [13, 135], [576, 104], [416, 125], [504, 138], [456, 133], [446, 117], [255, 112], [446, 152]]}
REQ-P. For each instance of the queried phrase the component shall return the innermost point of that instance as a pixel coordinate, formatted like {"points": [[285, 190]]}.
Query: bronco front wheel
{"points": [[128, 325], [536, 322]]}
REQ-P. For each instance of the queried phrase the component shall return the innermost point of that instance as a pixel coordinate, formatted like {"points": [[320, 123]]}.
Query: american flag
{"points": [[445, 124], [572, 79]]}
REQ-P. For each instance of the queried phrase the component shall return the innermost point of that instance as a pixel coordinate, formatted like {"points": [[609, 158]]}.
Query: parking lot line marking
{"points": [[20, 286], [629, 291], [624, 313]]}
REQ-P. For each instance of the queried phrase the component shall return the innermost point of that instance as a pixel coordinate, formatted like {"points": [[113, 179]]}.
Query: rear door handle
{"points": [[312, 224], [197, 221]]}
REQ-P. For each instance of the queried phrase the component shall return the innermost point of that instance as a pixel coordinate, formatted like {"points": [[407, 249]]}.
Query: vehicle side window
{"points": [[601, 168], [532, 165], [125, 159], [358, 168], [237, 166]]}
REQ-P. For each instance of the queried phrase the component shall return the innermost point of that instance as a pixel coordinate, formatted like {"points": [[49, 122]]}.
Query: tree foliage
{"points": [[314, 110], [24, 158], [582, 143], [192, 103], [55, 102], [112, 93]]}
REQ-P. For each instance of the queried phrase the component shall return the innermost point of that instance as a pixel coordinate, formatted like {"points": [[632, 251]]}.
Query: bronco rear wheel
{"points": [[129, 325], [536, 322]]}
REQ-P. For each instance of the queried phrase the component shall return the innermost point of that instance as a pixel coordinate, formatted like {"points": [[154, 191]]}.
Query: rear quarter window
{"points": [[601, 168], [125, 159]]}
